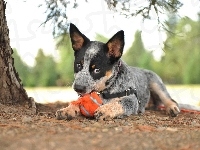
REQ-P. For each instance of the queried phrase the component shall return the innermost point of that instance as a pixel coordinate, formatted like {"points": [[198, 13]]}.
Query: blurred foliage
{"points": [[22, 68], [145, 8], [56, 10], [42, 74], [137, 55], [178, 65], [56, 14], [44, 71], [65, 65], [182, 53], [100, 37]]}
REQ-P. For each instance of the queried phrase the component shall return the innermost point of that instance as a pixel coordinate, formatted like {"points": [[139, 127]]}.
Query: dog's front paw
{"points": [[61, 115], [173, 109], [109, 111], [68, 113]]}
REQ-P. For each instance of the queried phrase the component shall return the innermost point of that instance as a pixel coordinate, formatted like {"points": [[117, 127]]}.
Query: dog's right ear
{"points": [[115, 46], [77, 38]]}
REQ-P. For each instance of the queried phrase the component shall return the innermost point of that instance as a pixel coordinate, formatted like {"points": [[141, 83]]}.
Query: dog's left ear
{"points": [[116, 45]]}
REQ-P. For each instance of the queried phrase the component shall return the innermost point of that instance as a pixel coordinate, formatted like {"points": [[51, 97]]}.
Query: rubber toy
{"points": [[88, 103]]}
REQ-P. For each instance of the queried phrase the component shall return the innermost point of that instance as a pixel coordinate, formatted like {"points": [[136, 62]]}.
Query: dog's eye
{"points": [[96, 70], [79, 66]]}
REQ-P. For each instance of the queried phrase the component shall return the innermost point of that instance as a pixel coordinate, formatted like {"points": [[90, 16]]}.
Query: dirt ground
{"points": [[154, 130]]}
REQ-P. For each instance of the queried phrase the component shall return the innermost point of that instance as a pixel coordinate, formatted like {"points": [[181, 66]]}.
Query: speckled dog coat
{"points": [[125, 90]]}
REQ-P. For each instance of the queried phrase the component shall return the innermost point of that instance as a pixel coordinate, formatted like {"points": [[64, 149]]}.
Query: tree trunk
{"points": [[11, 88]]}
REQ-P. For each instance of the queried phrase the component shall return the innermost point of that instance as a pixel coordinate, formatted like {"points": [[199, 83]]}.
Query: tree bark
{"points": [[11, 88]]}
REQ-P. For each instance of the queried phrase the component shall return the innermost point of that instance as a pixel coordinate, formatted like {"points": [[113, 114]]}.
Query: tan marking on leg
{"points": [[169, 104], [70, 111], [165, 100]]}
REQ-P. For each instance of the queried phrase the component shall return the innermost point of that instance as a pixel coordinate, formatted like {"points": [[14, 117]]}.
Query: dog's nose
{"points": [[79, 88]]}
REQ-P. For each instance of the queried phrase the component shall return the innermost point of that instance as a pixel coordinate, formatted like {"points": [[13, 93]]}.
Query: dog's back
{"points": [[149, 86]]}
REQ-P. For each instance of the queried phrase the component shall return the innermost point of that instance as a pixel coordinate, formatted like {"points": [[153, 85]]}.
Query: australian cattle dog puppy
{"points": [[125, 90]]}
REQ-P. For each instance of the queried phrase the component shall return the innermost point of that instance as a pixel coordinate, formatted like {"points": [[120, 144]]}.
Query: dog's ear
{"points": [[77, 38], [116, 45]]}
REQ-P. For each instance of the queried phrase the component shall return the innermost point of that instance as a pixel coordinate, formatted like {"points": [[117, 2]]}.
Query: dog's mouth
{"points": [[83, 90], [80, 94]]}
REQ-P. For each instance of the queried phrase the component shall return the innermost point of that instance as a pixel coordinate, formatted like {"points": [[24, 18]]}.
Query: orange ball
{"points": [[88, 104]]}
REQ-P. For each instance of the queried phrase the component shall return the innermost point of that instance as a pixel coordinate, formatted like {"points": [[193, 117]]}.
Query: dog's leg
{"points": [[159, 93], [68, 113], [117, 108]]}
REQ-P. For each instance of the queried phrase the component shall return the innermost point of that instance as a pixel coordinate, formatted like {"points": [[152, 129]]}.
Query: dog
{"points": [[124, 89]]}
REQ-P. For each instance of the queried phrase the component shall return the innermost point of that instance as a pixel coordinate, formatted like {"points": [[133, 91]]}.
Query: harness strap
{"points": [[107, 95]]}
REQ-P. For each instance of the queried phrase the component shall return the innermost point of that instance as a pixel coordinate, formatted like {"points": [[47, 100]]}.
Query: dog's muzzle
{"points": [[80, 89]]}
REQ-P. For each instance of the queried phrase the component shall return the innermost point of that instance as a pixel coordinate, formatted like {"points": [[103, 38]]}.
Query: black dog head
{"points": [[94, 61]]}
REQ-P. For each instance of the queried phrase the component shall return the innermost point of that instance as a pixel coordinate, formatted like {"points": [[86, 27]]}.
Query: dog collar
{"points": [[106, 95]]}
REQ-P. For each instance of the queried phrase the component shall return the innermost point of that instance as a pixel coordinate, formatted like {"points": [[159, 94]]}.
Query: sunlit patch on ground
{"points": [[52, 94], [185, 94]]}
